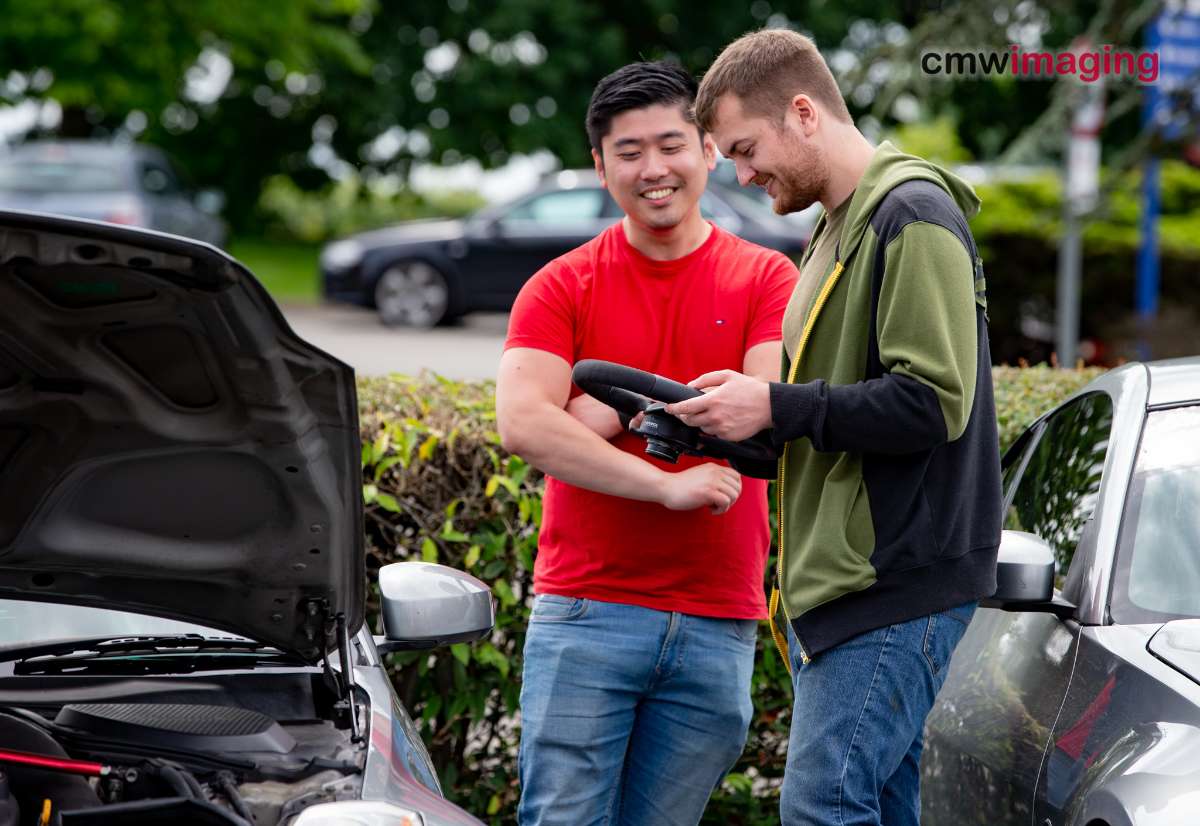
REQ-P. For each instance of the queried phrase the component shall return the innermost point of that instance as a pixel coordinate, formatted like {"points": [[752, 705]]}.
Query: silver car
{"points": [[182, 561], [1081, 706], [122, 183]]}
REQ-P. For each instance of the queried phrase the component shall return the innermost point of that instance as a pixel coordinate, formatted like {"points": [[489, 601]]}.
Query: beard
{"points": [[806, 176]]}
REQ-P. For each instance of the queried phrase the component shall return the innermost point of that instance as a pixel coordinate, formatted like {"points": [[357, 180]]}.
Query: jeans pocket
{"points": [[942, 634], [555, 608], [745, 630]]}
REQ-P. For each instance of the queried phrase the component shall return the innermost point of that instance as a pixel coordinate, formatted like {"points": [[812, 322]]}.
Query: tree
{"points": [[325, 87], [145, 68]]}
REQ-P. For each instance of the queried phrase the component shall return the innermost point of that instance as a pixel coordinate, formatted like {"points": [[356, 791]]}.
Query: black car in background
{"points": [[422, 273], [119, 182]]}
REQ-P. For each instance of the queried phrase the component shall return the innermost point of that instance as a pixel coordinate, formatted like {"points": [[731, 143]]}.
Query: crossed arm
{"points": [[569, 441]]}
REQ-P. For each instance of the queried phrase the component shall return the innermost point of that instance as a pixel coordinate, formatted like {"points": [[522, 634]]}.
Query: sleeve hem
{"points": [[792, 410], [539, 344]]}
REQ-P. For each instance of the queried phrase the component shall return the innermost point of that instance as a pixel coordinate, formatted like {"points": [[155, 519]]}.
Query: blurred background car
{"points": [[726, 175], [422, 273], [122, 183]]}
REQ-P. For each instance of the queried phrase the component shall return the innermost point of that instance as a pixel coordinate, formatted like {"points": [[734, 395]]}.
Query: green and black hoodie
{"points": [[889, 482]]}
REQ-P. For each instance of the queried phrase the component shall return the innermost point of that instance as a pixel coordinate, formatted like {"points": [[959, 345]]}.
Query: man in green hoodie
{"points": [[889, 476]]}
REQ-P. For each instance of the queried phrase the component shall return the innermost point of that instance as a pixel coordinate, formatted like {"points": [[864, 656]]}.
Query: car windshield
{"points": [[1158, 566], [58, 176], [23, 622]]}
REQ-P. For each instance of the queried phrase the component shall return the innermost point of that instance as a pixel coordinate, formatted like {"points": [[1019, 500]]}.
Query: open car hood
{"points": [[167, 444]]}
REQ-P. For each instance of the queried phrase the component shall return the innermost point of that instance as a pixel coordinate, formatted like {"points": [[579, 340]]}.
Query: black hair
{"points": [[637, 86]]}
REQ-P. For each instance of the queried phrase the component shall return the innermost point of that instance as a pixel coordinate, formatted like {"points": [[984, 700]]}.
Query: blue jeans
{"points": [[858, 722], [629, 715]]}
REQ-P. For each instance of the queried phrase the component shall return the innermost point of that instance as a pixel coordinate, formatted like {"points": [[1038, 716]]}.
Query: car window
{"points": [[568, 206], [158, 179], [1056, 494], [713, 208], [1013, 461], [58, 176], [1158, 553]]}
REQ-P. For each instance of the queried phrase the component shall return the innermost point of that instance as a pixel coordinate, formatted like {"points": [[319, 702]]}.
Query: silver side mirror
{"points": [[426, 605], [1025, 576], [1024, 568]]}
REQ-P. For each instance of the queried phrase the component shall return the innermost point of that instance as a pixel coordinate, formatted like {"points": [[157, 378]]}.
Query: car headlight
{"points": [[341, 255], [358, 813]]}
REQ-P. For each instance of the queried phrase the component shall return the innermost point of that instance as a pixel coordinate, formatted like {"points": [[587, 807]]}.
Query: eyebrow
{"points": [[663, 136]]}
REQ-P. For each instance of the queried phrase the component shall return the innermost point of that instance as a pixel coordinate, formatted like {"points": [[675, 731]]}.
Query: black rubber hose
{"points": [[174, 779], [192, 783], [225, 781]]}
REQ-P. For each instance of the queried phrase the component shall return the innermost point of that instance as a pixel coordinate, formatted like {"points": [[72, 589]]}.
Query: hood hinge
{"points": [[319, 621]]}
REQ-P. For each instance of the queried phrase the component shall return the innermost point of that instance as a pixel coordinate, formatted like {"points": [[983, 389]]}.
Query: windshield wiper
{"points": [[63, 653]]}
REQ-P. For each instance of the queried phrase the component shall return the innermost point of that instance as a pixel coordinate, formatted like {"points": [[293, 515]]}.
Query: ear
{"points": [[598, 160], [710, 151], [807, 114]]}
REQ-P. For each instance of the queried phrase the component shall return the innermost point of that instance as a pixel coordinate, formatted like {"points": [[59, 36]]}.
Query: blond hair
{"points": [[765, 70]]}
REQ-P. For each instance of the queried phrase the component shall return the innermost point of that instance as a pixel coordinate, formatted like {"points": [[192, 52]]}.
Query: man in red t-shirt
{"points": [[649, 577]]}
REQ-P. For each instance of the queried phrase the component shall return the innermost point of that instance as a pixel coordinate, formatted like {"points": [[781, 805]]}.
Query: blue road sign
{"points": [[1175, 35]]}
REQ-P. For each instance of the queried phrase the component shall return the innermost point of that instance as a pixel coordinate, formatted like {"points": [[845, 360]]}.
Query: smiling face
{"points": [[782, 157], [656, 165]]}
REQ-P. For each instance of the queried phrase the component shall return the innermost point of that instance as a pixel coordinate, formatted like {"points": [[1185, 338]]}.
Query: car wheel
{"points": [[412, 294]]}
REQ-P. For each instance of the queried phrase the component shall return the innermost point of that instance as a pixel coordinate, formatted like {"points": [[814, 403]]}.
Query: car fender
{"points": [[1149, 777]]}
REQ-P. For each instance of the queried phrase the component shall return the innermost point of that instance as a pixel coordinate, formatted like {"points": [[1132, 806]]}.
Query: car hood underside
{"points": [[167, 444]]}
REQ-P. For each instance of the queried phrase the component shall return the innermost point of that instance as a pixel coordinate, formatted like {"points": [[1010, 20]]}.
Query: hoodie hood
{"points": [[168, 445], [888, 169]]}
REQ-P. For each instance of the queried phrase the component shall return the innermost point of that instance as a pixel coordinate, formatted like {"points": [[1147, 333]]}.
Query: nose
{"points": [[745, 173], [655, 166]]}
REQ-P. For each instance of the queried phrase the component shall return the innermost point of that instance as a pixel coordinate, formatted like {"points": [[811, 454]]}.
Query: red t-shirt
{"points": [[681, 318]]}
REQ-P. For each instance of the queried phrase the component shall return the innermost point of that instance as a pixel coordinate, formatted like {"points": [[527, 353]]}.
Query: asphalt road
{"points": [[468, 350]]}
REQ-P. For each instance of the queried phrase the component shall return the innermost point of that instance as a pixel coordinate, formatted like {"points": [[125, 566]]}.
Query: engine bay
{"points": [[216, 749]]}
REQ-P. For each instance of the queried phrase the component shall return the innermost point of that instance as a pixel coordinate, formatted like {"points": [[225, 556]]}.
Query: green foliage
{"points": [[438, 487], [287, 269], [347, 206], [1024, 393], [106, 60], [118, 57], [935, 140], [315, 83], [1033, 207], [1018, 230]]}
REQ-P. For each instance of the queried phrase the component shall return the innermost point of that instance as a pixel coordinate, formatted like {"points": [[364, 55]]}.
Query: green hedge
{"points": [[438, 487], [1018, 231], [289, 213]]}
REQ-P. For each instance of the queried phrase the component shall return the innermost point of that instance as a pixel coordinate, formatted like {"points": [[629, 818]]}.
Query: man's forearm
{"points": [[561, 446], [892, 414]]}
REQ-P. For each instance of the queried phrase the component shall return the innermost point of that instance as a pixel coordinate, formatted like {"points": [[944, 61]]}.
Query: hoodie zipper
{"points": [[822, 297]]}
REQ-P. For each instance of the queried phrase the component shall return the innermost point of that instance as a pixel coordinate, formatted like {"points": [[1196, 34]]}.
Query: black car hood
{"points": [[167, 444]]}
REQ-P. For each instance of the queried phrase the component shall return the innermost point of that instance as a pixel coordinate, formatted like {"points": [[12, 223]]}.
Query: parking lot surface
{"points": [[470, 349]]}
